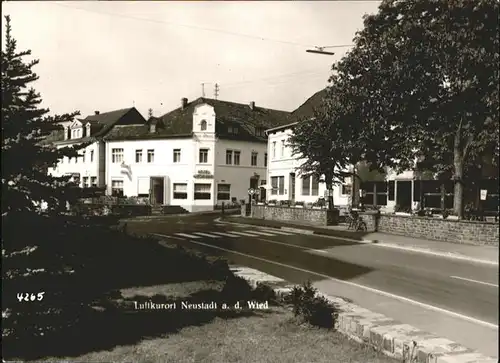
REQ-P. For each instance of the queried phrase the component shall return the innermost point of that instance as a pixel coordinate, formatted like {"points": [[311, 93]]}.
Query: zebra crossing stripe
{"points": [[206, 234], [263, 233], [226, 234], [187, 235], [245, 234], [277, 232]]}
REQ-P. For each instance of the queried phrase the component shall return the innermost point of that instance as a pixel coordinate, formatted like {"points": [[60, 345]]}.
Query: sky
{"points": [[114, 54]]}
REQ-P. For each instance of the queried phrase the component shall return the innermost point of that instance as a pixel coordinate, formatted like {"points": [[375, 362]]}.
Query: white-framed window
{"points": [[203, 157], [265, 159], [177, 155], [253, 159], [278, 185], [117, 188], [310, 185], [180, 190], [223, 192], [117, 155], [346, 189], [202, 191], [229, 157], [151, 156], [237, 155], [85, 182], [91, 156], [283, 148], [138, 156], [203, 125], [93, 181], [274, 150]]}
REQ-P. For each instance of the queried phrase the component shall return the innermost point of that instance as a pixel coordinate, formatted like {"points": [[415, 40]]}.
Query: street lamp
{"points": [[320, 50]]}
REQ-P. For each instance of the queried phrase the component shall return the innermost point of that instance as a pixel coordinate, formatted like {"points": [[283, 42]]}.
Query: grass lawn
{"points": [[268, 336]]}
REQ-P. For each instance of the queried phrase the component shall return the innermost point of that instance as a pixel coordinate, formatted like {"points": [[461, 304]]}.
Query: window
{"points": [[85, 181], [306, 185], [203, 156], [76, 159], [117, 188], [91, 156], [259, 131], [229, 130], [278, 185], [346, 189], [282, 148], [274, 150], [83, 155], [229, 157], [253, 160], [237, 157], [203, 125], [116, 155], [180, 191], [223, 192], [235, 130], [93, 181], [177, 155], [315, 185], [151, 156], [202, 191], [265, 159], [138, 156]]}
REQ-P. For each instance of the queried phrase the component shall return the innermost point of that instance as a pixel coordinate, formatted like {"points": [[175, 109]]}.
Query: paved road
{"points": [[468, 290]]}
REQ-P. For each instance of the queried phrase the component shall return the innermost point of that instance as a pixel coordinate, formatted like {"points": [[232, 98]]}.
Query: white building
{"points": [[89, 169], [204, 153], [284, 180]]}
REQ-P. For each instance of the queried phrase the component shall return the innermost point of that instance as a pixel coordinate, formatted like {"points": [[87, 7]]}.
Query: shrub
{"points": [[263, 292], [313, 309], [300, 203], [236, 289]]}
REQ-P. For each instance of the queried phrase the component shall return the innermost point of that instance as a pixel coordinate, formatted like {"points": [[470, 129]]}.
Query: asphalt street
{"points": [[466, 293]]}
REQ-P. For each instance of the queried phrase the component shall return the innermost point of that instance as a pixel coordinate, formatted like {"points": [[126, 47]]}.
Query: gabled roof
{"points": [[179, 122], [100, 124], [306, 110]]}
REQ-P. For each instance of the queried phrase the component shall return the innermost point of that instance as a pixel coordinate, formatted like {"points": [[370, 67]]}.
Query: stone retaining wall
{"points": [[309, 216], [467, 232]]}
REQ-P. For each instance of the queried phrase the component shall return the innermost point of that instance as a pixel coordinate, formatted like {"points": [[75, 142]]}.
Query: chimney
{"points": [[96, 112], [184, 102], [252, 105]]}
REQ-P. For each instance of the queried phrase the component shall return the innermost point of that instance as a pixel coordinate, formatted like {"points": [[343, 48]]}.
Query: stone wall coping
{"points": [[438, 219]]}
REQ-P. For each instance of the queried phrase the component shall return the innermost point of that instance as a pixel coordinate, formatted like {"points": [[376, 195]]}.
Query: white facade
{"points": [[195, 173], [88, 168], [286, 181]]}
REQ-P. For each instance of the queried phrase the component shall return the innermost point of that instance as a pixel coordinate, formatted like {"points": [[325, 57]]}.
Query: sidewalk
{"points": [[480, 254]]}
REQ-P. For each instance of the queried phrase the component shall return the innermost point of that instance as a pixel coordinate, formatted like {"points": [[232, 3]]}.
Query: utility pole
{"points": [[203, 90], [216, 91]]}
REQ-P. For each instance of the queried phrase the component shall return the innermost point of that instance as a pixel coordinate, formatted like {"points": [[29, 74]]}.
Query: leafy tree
{"points": [[425, 74], [25, 126]]}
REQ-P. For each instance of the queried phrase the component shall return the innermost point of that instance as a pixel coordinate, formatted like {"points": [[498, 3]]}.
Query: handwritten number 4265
{"points": [[30, 297]]}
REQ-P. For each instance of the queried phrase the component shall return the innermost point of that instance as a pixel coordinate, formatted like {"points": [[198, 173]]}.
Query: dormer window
{"points": [[232, 130], [203, 125], [88, 129], [259, 131]]}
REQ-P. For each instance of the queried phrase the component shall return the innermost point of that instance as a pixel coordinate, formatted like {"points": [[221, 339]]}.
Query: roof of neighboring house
{"points": [[179, 122], [306, 110], [281, 128], [100, 124]]}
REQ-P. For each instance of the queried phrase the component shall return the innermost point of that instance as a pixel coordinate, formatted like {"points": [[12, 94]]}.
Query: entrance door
{"points": [[157, 190], [254, 184], [292, 187], [403, 193]]}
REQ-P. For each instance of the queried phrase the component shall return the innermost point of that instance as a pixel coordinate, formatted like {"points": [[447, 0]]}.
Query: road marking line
{"points": [[380, 292], [186, 235], [263, 233], [226, 234], [476, 281], [277, 232], [393, 246], [245, 234], [206, 234]]}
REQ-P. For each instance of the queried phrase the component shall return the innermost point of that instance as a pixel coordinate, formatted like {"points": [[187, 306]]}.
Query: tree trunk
{"points": [[330, 196], [458, 195]]}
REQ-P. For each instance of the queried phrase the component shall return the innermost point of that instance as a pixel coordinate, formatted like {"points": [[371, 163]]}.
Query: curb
{"points": [[376, 242], [391, 337]]}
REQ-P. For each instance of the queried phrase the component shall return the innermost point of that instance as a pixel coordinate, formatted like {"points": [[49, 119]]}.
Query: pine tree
{"points": [[25, 126]]}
